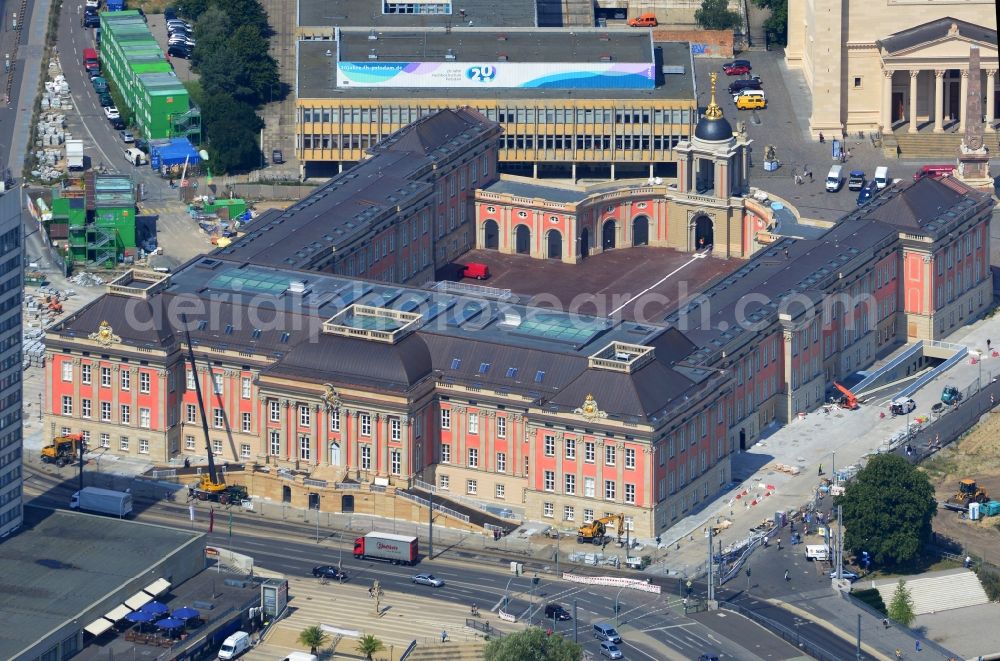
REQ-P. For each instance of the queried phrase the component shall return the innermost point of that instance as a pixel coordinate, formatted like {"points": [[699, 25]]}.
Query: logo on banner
{"points": [[483, 73]]}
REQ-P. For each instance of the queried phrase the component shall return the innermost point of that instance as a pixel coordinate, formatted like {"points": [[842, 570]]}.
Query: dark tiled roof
{"points": [[935, 30], [638, 395], [137, 322], [930, 206]]}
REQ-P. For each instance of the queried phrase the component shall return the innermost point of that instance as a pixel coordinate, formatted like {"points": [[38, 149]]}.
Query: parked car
{"points": [[329, 571], [428, 579], [647, 20], [738, 86], [118, 123], [127, 137], [869, 191], [737, 67], [558, 612], [934, 171], [179, 50], [856, 180], [849, 575], [105, 99], [111, 112], [611, 651]]}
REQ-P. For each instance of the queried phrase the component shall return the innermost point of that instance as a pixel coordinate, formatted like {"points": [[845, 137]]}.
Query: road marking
{"points": [[658, 283]]}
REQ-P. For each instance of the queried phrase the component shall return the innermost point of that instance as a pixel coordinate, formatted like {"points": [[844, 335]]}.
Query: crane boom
{"points": [[201, 404]]}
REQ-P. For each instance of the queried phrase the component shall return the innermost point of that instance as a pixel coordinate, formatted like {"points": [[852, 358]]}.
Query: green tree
{"points": [[901, 606], [777, 22], [190, 8], [312, 637], [888, 510], [532, 644], [212, 32], [233, 130], [368, 645], [245, 12], [716, 15]]}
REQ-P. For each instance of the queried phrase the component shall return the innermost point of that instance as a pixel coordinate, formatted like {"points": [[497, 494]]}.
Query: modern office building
{"points": [[11, 369]]}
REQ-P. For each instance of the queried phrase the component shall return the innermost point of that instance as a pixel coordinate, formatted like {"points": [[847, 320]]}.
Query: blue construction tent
{"points": [[172, 152]]}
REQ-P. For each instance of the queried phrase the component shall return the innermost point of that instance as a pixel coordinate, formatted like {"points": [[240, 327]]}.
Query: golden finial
{"points": [[713, 111]]}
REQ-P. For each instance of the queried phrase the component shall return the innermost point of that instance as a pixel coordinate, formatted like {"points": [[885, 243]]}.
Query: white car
{"points": [[111, 112], [428, 579]]}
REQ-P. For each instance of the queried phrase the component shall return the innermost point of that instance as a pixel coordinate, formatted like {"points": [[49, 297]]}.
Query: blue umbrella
{"points": [[169, 623], [185, 613], [139, 617], [155, 608]]}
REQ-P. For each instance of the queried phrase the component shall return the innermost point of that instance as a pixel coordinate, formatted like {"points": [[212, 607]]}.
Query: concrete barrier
{"points": [[613, 581], [506, 617]]}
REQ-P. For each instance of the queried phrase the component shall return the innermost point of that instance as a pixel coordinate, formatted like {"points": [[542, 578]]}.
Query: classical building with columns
{"points": [[892, 65]]}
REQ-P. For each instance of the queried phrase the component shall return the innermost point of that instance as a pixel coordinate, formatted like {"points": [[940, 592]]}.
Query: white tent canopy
{"points": [[118, 613], [138, 600], [158, 587], [98, 626]]}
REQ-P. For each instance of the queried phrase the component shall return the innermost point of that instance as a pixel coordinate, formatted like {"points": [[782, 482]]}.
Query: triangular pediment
{"points": [[944, 37], [944, 50]]}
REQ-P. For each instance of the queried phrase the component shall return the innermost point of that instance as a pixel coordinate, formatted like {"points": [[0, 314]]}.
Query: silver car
{"points": [[428, 579], [611, 651]]}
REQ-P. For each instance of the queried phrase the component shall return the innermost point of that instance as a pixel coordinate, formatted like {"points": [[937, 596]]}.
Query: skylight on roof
{"points": [[484, 368], [229, 329], [255, 334], [203, 324], [539, 376], [511, 372], [284, 337]]}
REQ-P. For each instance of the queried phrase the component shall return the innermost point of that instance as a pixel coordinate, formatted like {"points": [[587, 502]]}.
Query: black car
{"points": [[91, 21], [556, 611], [170, 14], [180, 51], [117, 123], [329, 571], [738, 86]]}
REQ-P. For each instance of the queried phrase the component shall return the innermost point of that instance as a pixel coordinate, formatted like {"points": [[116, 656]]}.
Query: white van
{"points": [[134, 156], [882, 176], [817, 552], [235, 645], [301, 656], [835, 179]]}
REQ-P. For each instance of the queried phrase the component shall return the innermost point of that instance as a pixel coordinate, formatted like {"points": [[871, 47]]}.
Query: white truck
{"points": [[102, 501], [397, 549], [74, 154]]}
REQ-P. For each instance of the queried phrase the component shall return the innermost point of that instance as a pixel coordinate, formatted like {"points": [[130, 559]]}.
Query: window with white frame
{"points": [[216, 446], [244, 450], [629, 457], [471, 487], [334, 419], [501, 462], [549, 480], [473, 423], [501, 491], [588, 487], [501, 427], [189, 442], [473, 457], [445, 453], [445, 419], [189, 383], [569, 512], [105, 411], [123, 443], [218, 418], [245, 388], [126, 414], [274, 410], [395, 429], [143, 446], [366, 457], [144, 382], [550, 446], [305, 448], [65, 431], [548, 510], [105, 440], [85, 436], [217, 383], [67, 405], [444, 482], [192, 413], [366, 424], [588, 452], [630, 494], [85, 374], [85, 407], [610, 455], [609, 489], [105, 377], [67, 370], [246, 422], [305, 415], [570, 479], [126, 379], [395, 461], [145, 418], [274, 443], [570, 445]]}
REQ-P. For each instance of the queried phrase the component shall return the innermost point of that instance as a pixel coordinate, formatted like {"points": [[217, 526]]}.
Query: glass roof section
{"points": [[560, 328], [251, 280]]}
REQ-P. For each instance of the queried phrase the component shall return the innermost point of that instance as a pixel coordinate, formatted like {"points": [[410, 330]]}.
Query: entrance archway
{"points": [[584, 243], [743, 440], [608, 235], [522, 240], [554, 241], [347, 504], [286, 494], [491, 235], [703, 233], [334, 455], [640, 231]]}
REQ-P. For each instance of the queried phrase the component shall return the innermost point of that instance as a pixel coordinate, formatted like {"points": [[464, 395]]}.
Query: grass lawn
{"points": [[920, 566]]}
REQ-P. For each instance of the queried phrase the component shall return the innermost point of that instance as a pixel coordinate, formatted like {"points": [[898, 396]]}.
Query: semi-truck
{"points": [[397, 549], [102, 501]]}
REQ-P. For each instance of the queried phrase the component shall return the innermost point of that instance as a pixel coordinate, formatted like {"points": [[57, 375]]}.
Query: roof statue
{"points": [[590, 410], [105, 335]]}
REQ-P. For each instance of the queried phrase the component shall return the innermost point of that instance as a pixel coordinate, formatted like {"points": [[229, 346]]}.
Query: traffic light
{"points": [[658, 540], [748, 572], [535, 580]]}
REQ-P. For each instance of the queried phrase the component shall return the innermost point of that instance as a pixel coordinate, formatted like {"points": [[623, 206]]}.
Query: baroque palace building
{"points": [[344, 375]]}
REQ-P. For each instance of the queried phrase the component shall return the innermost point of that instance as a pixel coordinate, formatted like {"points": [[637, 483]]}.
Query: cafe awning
{"points": [[158, 587], [138, 600], [118, 613], [98, 626]]}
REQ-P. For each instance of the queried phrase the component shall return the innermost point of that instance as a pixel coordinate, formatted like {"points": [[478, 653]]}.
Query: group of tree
{"points": [[237, 76], [717, 15], [314, 638], [532, 644]]}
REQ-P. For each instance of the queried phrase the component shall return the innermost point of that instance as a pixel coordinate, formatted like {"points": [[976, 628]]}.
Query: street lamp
{"points": [[617, 607], [39, 407]]}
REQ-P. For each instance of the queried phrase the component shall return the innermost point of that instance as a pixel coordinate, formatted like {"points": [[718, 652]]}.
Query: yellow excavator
{"points": [[968, 492], [63, 449], [595, 532]]}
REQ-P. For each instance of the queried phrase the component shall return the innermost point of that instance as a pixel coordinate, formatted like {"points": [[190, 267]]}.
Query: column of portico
{"points": [[649, 466], [353, 451], [315, 429], [487, 440], [406, 425], [382, 428], [887, 101], [991, 78], [939, 100], [560, 485], [913, 100], [620, 472], [964, 91], [458, 428]]}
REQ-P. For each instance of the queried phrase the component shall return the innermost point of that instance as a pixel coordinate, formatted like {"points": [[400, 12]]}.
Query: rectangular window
{"points": [[126, 414], [274, 410], [105, 440], [549, 481], [67, 405], [217, 383], [570, 483], [570, 448], [501, 491], [274, 443], [143, 446], [445, 453], [305, 416], [609, 489], [145, 419], [123, 443], [471, 487], [244, 450], [105, 377], [85, 408], [216, 446], [550, 446], [190, 380], [501, 462], [610, 455], [218, 418], [246, 422], [629, 457], [67, 370], [105, 411], [334, 419], [126, 379], [366, 424], [444, 482], [588, 487], [445, 419], [588, 452], [630, 494], [395, 462], [305, 449], [548, 510], [569, 512], [473, 423], [501, 427], [395, 429], [366, 457], [192, 413], [144, 382], [189, 442], [85, 374], [473, 457], [588, 515]]}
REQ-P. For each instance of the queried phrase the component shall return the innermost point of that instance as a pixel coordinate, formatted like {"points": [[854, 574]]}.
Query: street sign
{"points": [[209, 551]]}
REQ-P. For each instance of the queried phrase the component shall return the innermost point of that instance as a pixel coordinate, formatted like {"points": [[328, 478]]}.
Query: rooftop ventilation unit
{"points": [[329, 53], [372, 36], [372, 55], [297, 287], [450, 55], [511, 319]]}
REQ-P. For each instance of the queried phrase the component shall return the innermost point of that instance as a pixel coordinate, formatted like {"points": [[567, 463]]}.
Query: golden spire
{"points": [[713, 111]]}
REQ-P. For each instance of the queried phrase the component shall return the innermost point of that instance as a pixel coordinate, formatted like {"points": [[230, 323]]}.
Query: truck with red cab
{"points": [[934, 171], [388, 547], [476, 270], [90, 61]]}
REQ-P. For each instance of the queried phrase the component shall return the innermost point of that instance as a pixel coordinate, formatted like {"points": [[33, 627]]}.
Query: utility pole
{"points": [[81, 464], [711, 576], [859, 637], [557, 554], [840, 543], [576, 620], [430, 526]]}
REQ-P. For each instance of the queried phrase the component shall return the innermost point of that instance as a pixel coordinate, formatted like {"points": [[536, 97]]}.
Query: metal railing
{"points": [[440, 508], [430, 488], [961, 353], [906, 355]]}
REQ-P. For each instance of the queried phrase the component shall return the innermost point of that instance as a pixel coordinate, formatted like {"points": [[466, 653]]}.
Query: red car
{"points": [[737, 67]]}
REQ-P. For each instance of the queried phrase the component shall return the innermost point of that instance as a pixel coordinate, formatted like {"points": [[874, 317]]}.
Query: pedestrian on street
{"points": [[822, 140], [968, 562], [885, 622], [987, 344], [808, 173], [916, 644], [787, 576], [444, 635]]}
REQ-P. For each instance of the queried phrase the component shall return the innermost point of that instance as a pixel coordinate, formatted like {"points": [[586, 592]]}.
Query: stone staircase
{"points": [[472, 651], [941, 592], [926, 145]]}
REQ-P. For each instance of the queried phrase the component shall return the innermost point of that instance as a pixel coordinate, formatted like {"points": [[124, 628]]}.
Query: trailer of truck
{"points": [[102, 501], [397, 549]]}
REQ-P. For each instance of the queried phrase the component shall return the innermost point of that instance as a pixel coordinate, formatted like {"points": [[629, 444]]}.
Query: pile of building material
{"points": [[34, 348], [85, 279], [50, 133]]}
